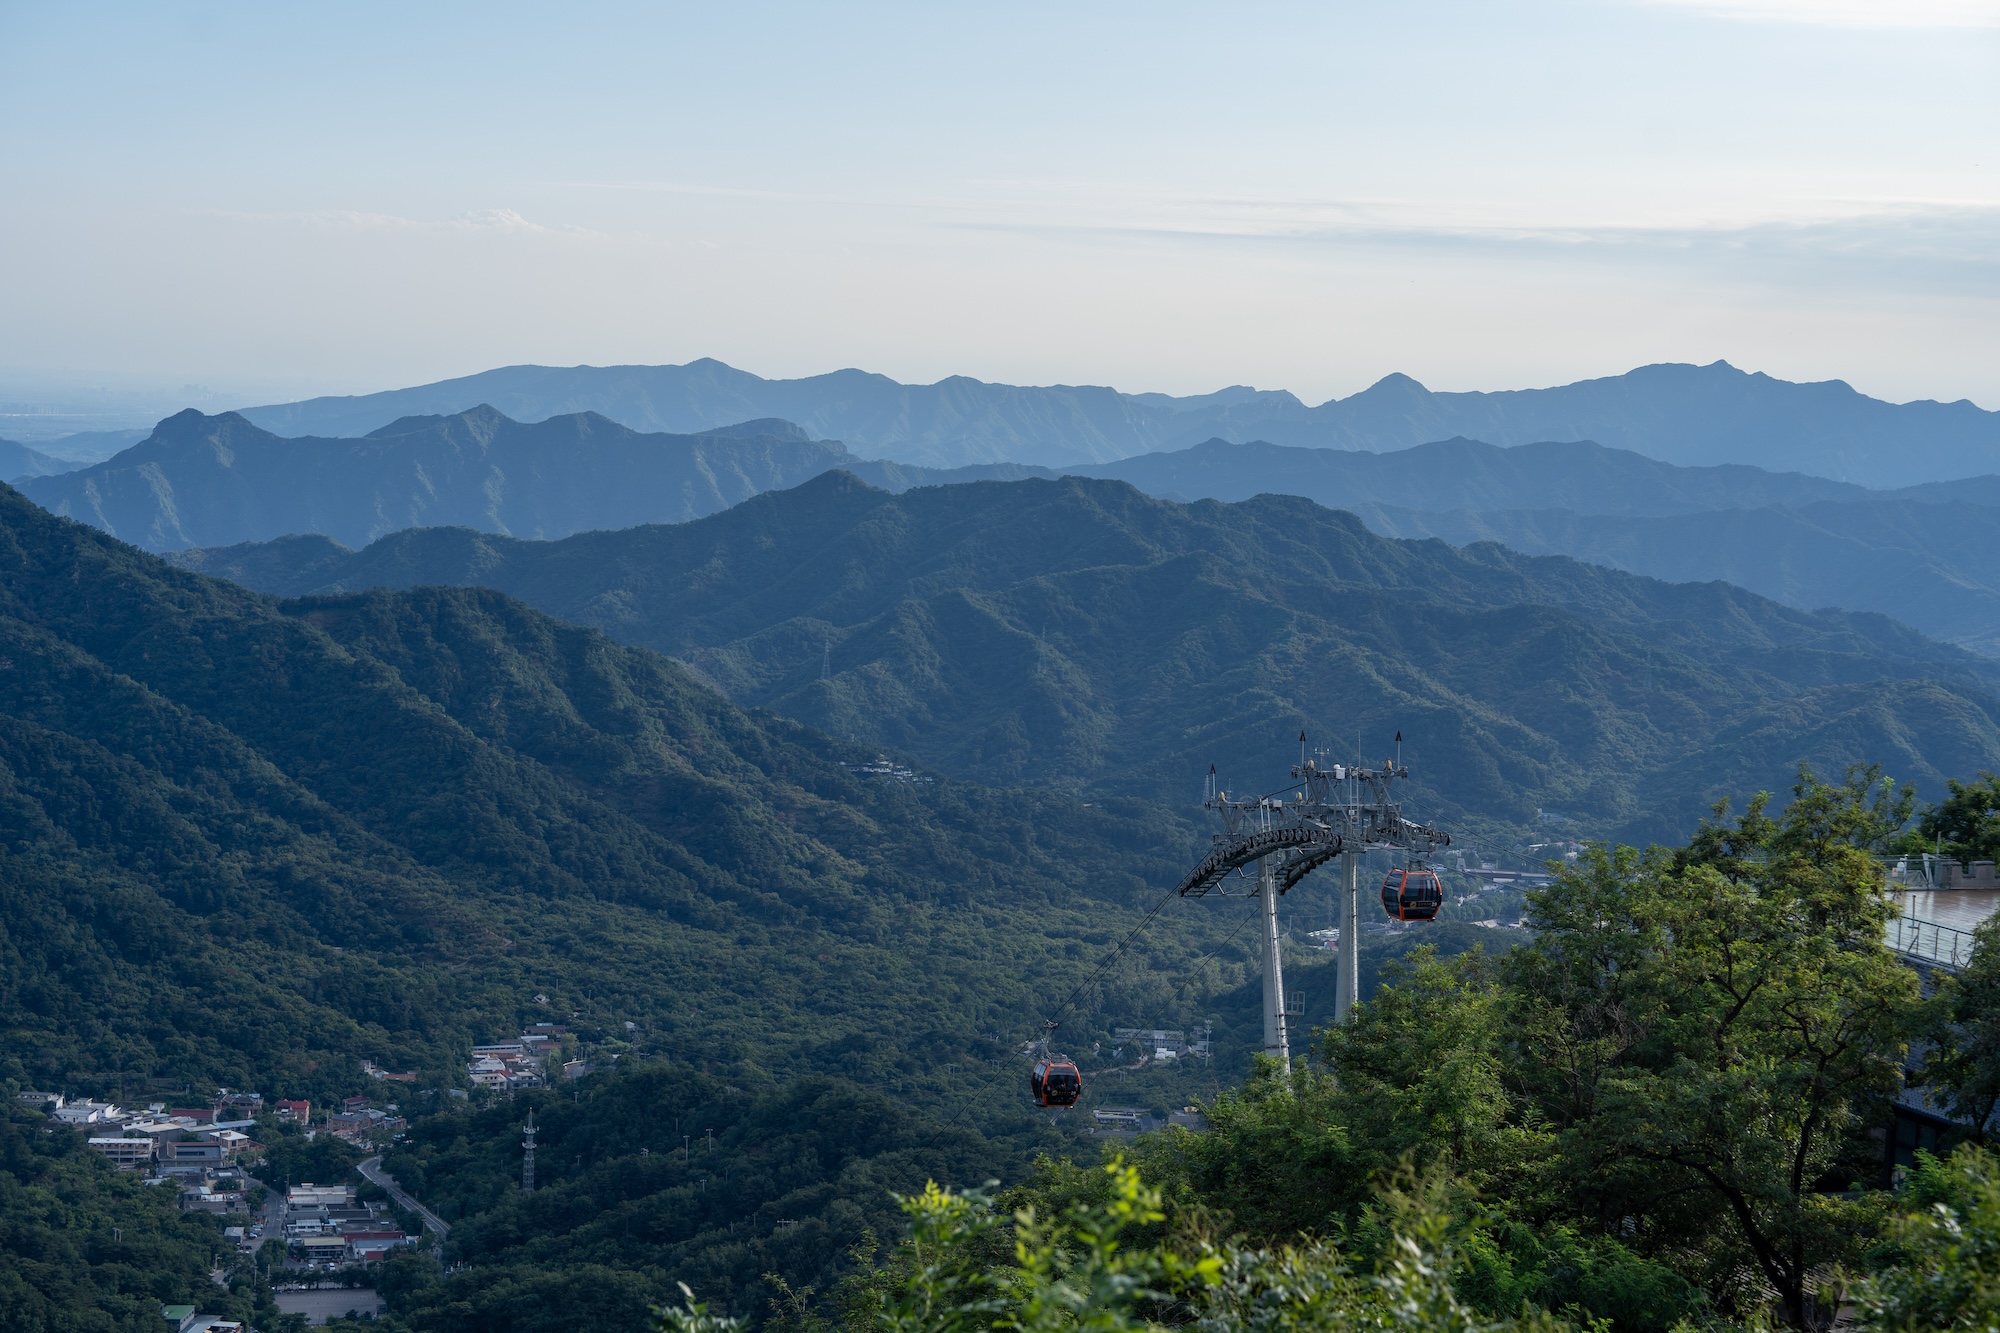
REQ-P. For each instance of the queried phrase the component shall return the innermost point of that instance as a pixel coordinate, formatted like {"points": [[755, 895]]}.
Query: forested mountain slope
{"points": [[255, 843], [1078, 632], [1686, 414]]}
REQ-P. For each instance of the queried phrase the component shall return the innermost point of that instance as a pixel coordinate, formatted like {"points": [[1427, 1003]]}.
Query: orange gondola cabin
{"points": [[1055, 1083], [1412, 893]]}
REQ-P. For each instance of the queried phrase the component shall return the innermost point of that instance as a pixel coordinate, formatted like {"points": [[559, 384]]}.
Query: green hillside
{"points": [[255, 843], [781, 1181], [1079, 633]]}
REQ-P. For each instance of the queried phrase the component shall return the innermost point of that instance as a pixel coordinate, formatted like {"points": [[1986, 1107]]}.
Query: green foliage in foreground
{"points": [[1685, 1059], [1963, 1063], [1111, 1261], [966, 1266], [1941, 1269]]}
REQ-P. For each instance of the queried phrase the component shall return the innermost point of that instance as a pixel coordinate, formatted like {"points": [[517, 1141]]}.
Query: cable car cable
{"points": [[965, 1102], [1051, 1024], [1202, 962]]}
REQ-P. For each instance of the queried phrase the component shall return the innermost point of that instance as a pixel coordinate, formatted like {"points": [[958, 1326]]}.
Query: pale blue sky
{"points": [[1157, 196]]}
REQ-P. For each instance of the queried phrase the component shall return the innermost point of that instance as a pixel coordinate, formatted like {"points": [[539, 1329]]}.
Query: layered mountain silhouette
{"points": [[1925, 563], [1078, 632], [1914, 554], [19, 460], [218, 480], [1918, 553], [1470, 475], [1677, 413], [215, 480]]}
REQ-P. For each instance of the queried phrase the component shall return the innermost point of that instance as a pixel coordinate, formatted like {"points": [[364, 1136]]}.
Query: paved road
{"points": [[371, 1170], [272, 1216]]}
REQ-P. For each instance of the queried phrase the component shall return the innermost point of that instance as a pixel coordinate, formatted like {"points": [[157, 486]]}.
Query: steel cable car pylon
{"points": [[1335, 810]]}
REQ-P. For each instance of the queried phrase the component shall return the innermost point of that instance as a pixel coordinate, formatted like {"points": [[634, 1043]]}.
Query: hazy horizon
{"points": [[1159, 198]]}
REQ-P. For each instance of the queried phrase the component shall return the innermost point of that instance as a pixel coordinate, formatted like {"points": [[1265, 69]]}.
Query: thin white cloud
{"points": [[1935, 246], [501, 220], [1851, 13]]}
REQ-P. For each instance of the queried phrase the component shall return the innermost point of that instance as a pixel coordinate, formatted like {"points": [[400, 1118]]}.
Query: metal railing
{"points": [[1930, 942]]}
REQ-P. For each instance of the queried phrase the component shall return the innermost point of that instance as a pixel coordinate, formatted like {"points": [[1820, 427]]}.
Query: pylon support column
{"points": [[1348, 979], [1277, 1044]]}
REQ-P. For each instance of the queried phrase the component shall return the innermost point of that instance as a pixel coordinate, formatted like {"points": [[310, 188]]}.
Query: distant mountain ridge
{"points": [[202, 481], [1923, 562], [1676, 413], [20, 460], [1077, 632], [1468, 474], [218, 480], [1918, 554]]}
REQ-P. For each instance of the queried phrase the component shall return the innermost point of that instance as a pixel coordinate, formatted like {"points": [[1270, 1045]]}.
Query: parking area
{"points": [[330, 1303]]}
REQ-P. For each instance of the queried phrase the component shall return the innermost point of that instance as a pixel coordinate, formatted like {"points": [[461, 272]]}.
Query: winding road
{"points": [[371, 1171]]}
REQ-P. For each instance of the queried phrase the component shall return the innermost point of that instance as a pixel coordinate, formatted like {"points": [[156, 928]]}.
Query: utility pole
{"points": [[528, 1154]]}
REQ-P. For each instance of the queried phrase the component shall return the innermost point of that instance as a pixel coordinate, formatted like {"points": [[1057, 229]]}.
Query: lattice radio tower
{"points": [[1334, 811]]}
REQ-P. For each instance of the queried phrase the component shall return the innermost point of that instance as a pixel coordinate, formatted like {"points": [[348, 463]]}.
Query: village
{"points": [[210, 1149]]}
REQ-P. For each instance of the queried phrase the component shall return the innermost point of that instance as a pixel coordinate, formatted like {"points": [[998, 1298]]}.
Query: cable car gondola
{"points": [[1412, 893], [1055, 1083]]}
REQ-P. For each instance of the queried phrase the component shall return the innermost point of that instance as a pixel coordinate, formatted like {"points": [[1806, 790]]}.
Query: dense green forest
{"points": [[1077, 633], [254, 845]]}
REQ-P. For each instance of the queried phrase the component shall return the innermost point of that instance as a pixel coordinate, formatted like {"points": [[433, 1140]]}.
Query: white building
{"points": [[124, 1153], [89, 1113]]}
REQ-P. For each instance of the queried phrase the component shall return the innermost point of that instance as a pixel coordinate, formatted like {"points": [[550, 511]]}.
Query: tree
{"points": [[1963, 1062], [1414, 1079], [1710, 1030], [1944, 1263], [1966, 823], [1422, 1078], [967, 1268]]}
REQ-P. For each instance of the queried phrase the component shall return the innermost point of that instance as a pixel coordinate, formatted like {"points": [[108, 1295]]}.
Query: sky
{"points": [[281, 199]]}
